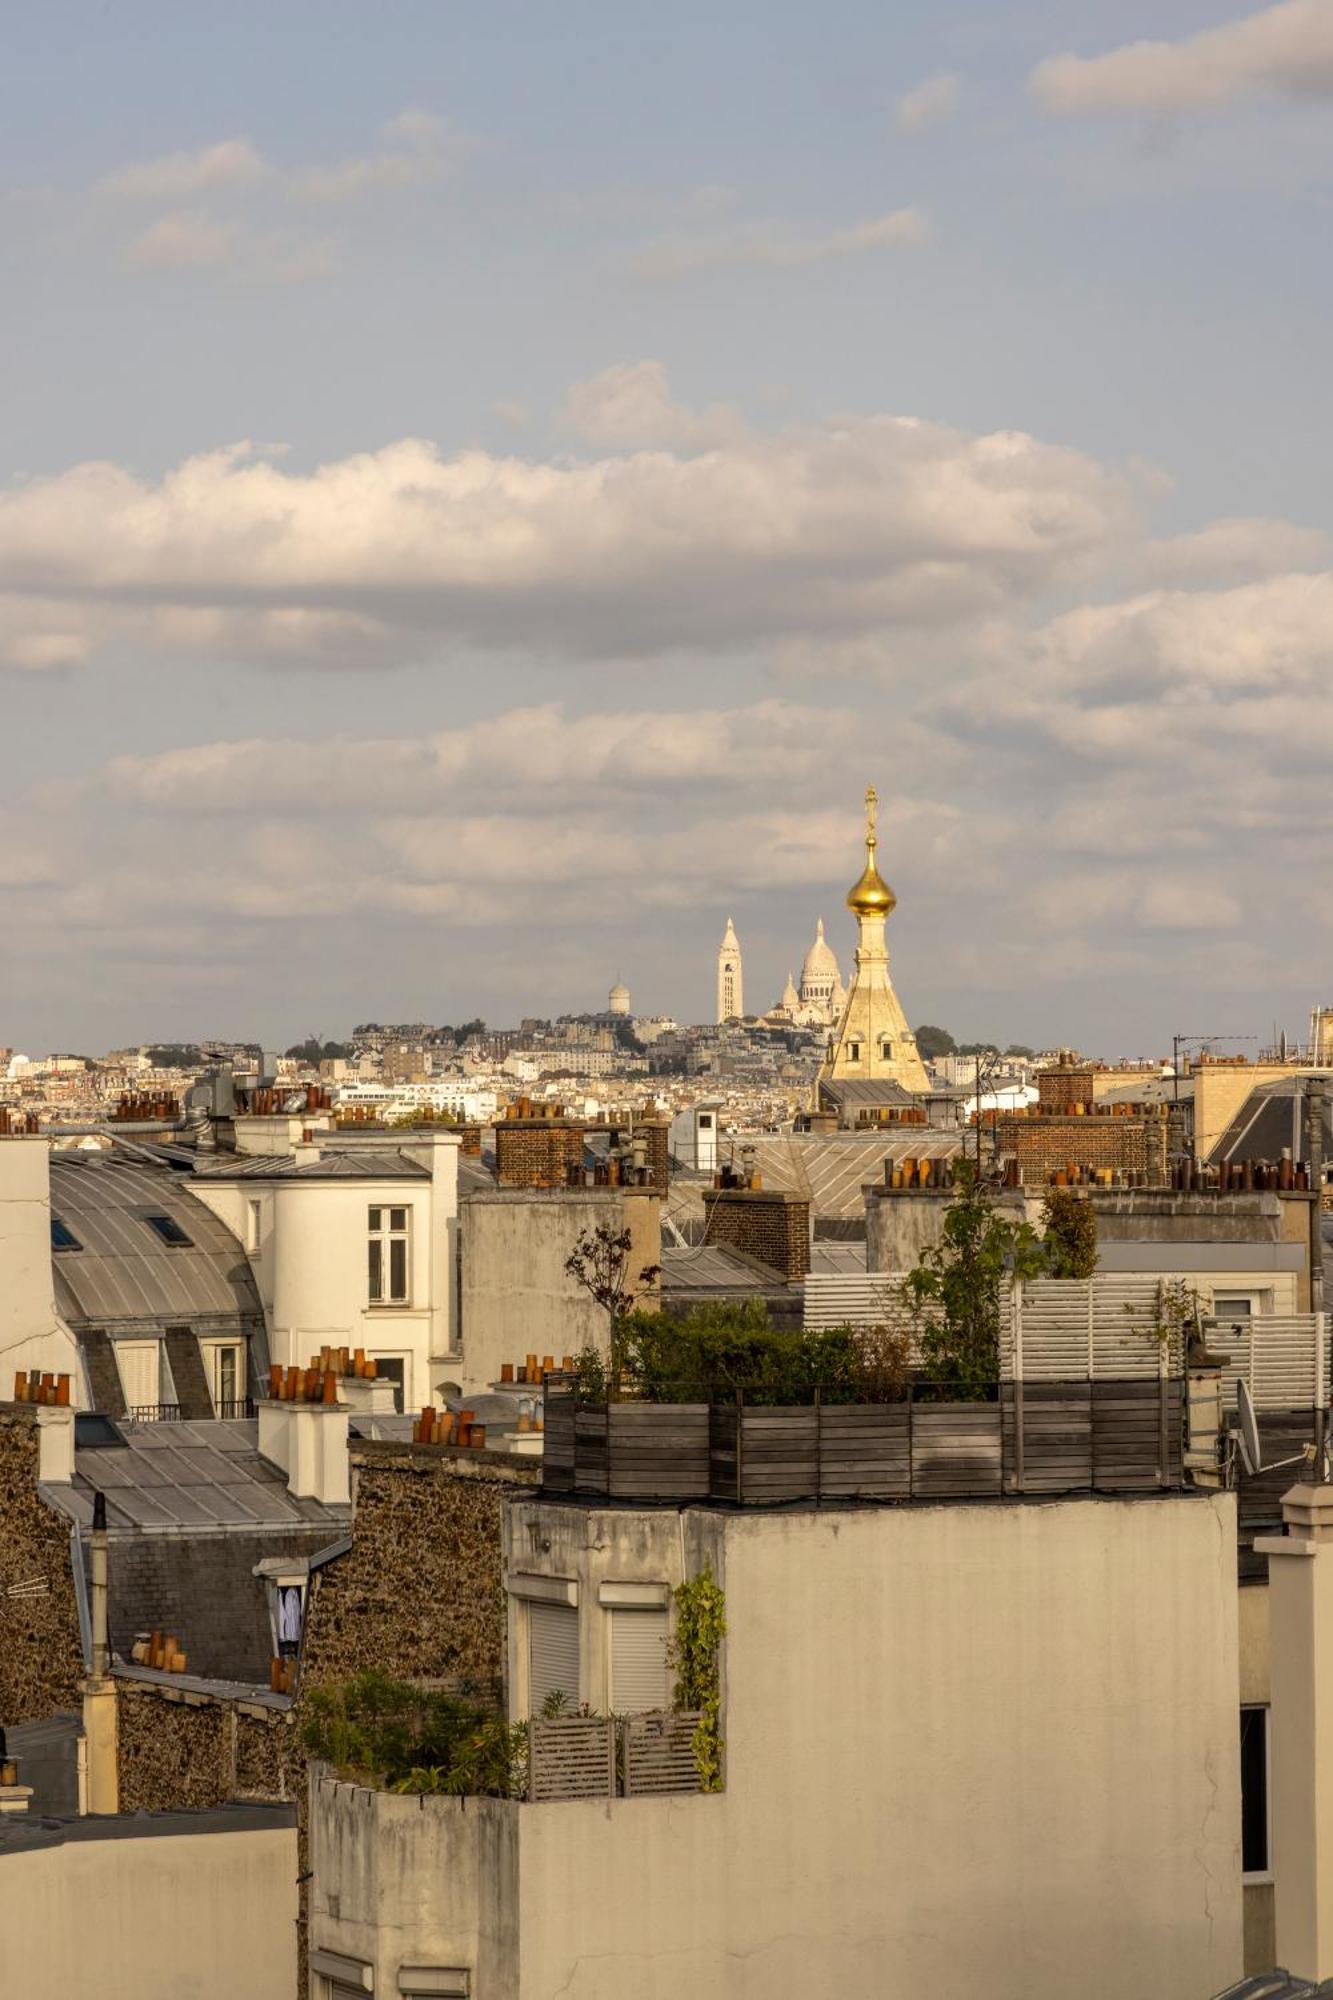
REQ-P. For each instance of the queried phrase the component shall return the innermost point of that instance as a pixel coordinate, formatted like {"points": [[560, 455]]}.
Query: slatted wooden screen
{"points": [[659, 1753], [572, 1757]]}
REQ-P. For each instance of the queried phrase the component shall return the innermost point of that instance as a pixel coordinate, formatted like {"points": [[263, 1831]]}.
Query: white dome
{"points": [[617, 1000], [820, 962]]}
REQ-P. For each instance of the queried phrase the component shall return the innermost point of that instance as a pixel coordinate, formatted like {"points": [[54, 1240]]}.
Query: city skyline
{"points": [[925, 401]]}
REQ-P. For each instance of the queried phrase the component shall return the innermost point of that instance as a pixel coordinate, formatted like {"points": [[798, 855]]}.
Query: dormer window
{"points": [[170, 1231], [62, 1236]]}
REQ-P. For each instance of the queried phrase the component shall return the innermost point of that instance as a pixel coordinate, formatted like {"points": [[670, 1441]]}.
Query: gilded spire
{"points": [[871, 896]]}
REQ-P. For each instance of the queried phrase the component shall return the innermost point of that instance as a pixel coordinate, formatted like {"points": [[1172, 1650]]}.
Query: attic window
{"points": [[62, 1236], [170, 1231]]}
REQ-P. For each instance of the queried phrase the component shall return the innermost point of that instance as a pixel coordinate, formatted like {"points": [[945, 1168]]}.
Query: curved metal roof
{"points": [[124, 1271]]}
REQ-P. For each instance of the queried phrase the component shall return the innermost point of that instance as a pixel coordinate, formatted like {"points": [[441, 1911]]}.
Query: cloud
{"points": [[1236, 550], [779, 245], [416, 147], [182, 242], [542, 750], [1285, 50], [631, 404], [930, 104], [870, 524], [174, 177]]}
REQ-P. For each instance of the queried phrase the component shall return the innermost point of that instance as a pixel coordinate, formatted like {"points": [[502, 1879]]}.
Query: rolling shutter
{"points": [[553, 1654], [638, 1661]]}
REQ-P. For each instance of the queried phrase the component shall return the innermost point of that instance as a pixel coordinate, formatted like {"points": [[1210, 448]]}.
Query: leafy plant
{"points": [[957, 1287], [701, 1625], [600, 1262], [411, 1739], [1175, 1316], [1069, 1225]]}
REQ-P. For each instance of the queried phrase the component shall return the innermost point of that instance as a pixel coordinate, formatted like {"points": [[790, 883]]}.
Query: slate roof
{"points": [[829, 1168], [388, 1165], [1277, 1985], [124, 1272], [1271, 1118], [713, 1269]]}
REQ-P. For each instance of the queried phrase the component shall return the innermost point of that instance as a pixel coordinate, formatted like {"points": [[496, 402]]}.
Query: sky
{"points": [[485, 487]]}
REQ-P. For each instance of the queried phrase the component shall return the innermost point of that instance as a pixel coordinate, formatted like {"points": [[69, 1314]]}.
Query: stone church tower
{"points": [[873, 1043], [730, 988]]}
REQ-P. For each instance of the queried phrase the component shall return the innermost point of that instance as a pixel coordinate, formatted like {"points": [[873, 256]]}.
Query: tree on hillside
{"points": [[932, 1041]]}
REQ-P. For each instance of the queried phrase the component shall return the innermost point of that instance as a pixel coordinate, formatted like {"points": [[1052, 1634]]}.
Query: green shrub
{"points": [[411, 1739]]}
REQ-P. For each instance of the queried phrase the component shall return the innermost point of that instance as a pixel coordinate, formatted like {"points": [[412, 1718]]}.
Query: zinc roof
{"points": [[186, 1476], [388, 1165], [123, 1271]]}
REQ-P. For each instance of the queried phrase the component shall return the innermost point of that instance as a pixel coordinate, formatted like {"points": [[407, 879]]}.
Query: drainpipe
{"points": [[99, 1690], [1315, 1152]]}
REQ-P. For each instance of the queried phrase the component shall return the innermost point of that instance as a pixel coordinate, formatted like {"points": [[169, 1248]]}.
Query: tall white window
{"points": [[388, 1246], [553, 1654], [638, 1660], [226, 1381]]}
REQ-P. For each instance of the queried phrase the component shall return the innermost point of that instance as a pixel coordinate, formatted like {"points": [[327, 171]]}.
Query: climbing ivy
{"points": [[701, 1625]]}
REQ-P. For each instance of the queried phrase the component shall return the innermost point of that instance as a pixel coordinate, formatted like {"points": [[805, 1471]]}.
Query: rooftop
{"points": [[142, 1249]]}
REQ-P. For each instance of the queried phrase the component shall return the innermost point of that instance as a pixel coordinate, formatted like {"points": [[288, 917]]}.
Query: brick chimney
{"points": [[769, 1224]]}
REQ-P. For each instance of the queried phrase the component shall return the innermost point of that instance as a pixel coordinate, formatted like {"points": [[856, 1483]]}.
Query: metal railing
{"points": [[153, 1413], [235, 1406]]}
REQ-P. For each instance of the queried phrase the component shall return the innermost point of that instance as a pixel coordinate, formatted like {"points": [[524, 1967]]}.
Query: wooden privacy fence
{"points": [[610, 1756], [1047, 1437]]}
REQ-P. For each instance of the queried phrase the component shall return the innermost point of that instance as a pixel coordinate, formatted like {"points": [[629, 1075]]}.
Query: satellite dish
{"points": [[1250, 1455]]}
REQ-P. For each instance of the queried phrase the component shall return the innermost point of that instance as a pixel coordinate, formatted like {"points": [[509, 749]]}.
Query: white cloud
{"points": [[416, 147], [173, 177], [1286, 50], [631, 404], [865, 525], [930, 104], [781, 245], [635, 754], [1233, 551], [182, 242]]}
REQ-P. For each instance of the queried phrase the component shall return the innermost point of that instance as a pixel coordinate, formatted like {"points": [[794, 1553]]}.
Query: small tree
{"points": [[1069, 1235], [600, 1262], [956, 1289]]}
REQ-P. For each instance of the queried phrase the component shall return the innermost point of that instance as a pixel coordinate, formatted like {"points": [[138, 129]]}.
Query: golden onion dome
{"points": [[871, 896]]}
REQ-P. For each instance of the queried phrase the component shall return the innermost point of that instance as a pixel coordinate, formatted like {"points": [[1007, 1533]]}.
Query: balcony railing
{"points": [[153, 1413], [234, 1406]]}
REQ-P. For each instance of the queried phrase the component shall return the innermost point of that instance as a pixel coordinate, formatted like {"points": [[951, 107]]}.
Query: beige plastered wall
{"points": [[969, 1749], [211, 1915]]}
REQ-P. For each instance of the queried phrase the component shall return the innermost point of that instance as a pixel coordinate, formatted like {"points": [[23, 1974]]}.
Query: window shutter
{"points": [[553, 1653], [139, 1372], [638, 1661]]}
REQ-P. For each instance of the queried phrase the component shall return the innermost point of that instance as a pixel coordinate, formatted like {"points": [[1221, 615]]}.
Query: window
{"points": [[226, 1381], [705, 1121], [62, 1236], [853, 1052], [638, 1660], [886, 1048], [553, 1654], [389, 1368], [1254, 1791], [170, 1231], [1232, 1308], [254, 1216], [388, 1256]]}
